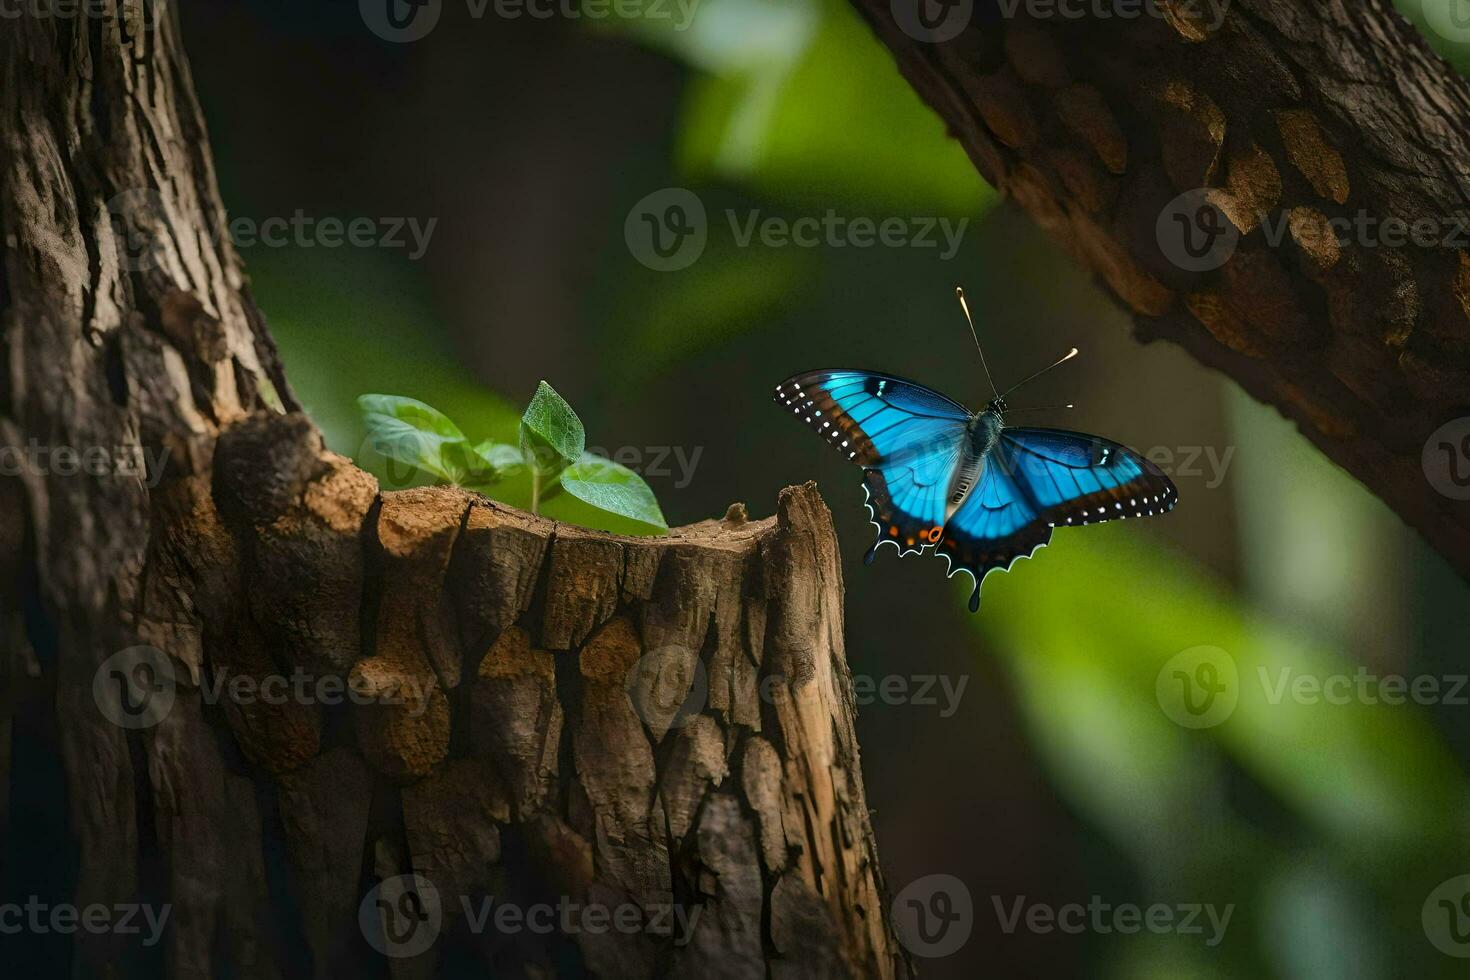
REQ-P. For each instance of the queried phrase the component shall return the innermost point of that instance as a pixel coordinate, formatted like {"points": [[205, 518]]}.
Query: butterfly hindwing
{"points": [[998, 523], [905, 436], [907, 511], [1038, 479]]}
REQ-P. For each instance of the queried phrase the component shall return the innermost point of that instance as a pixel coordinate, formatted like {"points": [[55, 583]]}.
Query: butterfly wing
{"points": [[1081, 479], [1038, 479], [997, 523], [906, 437]]}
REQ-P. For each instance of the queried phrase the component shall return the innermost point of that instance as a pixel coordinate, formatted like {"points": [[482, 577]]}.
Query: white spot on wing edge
{"points": [[952, 571], [884, 539]]}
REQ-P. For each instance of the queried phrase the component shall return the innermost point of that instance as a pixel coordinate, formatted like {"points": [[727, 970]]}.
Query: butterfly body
{"points": [[964, 484], [982, 433]]}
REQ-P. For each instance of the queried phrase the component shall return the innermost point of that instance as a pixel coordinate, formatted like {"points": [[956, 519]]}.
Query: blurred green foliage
{"points": [[797, 101], [1370, 802], [1446, 25]]}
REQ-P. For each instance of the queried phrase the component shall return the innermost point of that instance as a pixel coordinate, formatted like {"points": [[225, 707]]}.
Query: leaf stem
{"points": [[535, 490]]}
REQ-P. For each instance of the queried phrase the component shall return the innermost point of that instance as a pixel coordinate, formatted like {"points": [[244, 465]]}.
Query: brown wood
{"points": [[495, 728], [1299, 110]]}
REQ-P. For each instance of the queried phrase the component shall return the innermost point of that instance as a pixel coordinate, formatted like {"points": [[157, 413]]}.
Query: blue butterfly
{"points": [[977, 491]]}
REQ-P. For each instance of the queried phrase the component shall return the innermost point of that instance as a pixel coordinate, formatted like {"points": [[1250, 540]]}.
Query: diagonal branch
{"points": [[1275, 185]]}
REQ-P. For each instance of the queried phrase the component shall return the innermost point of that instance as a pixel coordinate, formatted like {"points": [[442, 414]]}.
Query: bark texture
{"points": [[1284, 115], [496, 704]]}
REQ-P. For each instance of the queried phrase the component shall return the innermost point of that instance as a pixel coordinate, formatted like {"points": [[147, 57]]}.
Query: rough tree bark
{"points": [[509, 730], [1288, 115]]}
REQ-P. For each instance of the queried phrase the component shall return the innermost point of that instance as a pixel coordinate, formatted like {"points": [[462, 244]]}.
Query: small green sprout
{"points": [[552, 453]]}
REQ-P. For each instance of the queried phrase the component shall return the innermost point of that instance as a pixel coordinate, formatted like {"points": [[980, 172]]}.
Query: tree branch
{"points": [[1288, 116]]}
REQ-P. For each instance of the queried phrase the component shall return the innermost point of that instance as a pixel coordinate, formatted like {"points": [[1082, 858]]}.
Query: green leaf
{"points": [[411, 432], [503, 458], [551, 434], [491, 462], [614, 488]]}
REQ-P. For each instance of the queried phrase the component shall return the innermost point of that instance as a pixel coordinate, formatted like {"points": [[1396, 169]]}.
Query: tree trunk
{"points": [[1282, 115], [318, 725]]}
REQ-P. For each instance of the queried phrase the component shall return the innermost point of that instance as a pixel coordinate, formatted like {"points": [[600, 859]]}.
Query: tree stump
{"points": [[548, 716], [313, 727]]}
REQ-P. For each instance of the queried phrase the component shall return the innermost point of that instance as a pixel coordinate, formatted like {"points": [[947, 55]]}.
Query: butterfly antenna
{"points": [[971, 321], [1059, 361], [1039, 408]]}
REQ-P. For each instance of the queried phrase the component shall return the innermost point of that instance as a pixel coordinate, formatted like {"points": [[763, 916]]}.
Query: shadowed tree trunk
{"points": [[319, 724], [1274, 119]]}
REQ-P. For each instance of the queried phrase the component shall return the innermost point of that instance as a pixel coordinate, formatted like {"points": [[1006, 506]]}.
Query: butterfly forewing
{"points": [[1077, 478], [906, 436]]}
